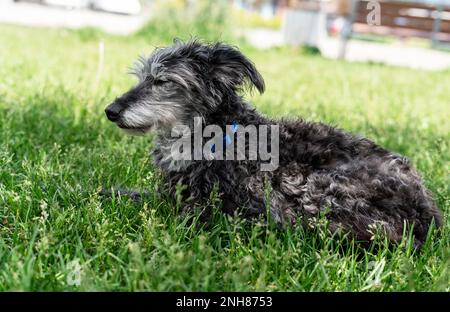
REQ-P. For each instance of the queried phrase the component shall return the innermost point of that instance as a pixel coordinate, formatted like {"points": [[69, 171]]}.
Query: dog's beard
{"points": [[142, 118]]}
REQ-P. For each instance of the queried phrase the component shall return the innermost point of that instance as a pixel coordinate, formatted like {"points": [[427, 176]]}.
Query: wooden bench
{"points": [[401, 19]]}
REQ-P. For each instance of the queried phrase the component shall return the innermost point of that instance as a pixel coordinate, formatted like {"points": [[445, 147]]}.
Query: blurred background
{"points": [[412, 33]]}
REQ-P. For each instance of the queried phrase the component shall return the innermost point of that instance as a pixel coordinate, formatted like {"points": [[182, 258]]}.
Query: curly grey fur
{"points": [[357, 184]]}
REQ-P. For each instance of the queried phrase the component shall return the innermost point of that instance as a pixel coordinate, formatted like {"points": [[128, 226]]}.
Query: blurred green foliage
{"points": [[207, 19]]}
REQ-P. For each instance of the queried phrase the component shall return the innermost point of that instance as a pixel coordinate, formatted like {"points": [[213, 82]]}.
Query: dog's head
{"points": [[179, 82]]}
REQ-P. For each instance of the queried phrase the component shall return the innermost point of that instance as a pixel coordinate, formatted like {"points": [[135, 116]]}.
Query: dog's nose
{"points": [[112, 112]]}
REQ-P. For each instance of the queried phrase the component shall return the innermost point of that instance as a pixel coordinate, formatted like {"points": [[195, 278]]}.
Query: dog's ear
{"points": [[231, 67]]}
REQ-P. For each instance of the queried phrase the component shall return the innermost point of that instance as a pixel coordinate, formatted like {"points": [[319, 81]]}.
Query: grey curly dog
{"points": [[321, 170]]}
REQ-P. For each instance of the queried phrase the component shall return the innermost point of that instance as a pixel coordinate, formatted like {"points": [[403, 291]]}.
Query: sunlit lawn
{"points": [[57, 150]]}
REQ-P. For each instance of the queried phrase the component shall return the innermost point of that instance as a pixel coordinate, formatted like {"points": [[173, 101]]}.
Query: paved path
{"points": [[51, 16], [397, 54]]}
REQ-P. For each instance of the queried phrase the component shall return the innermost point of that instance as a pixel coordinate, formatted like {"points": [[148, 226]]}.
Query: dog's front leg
{"points": [[134, 195]]}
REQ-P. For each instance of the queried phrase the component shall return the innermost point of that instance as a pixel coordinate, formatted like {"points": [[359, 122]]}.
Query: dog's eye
{"points": [[160, 82], [155, 81]]}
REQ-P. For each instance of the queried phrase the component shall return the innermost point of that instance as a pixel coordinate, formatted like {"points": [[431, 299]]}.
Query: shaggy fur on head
{"points": [[356, 184]]}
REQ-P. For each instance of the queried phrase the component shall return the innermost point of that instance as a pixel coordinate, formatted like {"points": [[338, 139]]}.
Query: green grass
{"points": [[57, 150]]}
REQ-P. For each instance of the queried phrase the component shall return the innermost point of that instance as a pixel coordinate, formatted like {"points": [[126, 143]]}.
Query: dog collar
{"points": [[226, 138]]}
